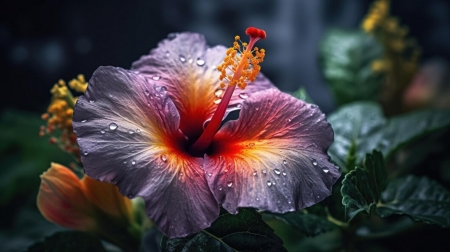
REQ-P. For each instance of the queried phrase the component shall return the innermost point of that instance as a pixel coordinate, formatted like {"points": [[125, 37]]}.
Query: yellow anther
{"points": [[237, 38], [79, 84], [240, 67]]}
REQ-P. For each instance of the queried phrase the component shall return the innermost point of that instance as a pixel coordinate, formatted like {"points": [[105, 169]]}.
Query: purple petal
{"points": [[128, 135], [186, 66], [274, 157]]}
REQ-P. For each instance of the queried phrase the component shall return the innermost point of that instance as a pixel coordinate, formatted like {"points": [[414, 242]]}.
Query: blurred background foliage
{"points": [[321, 46]]}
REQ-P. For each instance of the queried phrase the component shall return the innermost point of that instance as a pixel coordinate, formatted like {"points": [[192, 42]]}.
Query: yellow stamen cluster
{"points": [[59, 115], [240, 65], [376, 16]]}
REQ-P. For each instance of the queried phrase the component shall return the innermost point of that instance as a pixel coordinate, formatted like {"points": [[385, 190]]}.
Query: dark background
{"points": [[43, 41]]}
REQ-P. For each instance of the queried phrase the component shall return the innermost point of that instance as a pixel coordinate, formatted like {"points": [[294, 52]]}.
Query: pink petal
{"points": [[185, 65], [128, 135], [274, 157]]}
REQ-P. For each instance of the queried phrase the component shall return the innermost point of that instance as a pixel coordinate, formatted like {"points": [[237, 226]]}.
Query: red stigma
{"points": [[254, 32]]}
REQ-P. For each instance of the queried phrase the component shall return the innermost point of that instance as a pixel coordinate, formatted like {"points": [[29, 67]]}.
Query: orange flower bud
{"points": [[61, 199]]}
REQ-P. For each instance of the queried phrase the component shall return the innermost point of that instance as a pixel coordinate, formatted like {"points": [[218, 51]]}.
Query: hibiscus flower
{"points": [[155, 131]]}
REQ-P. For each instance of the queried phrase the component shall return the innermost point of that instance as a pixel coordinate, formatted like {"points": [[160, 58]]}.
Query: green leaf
{"points": [[361, 188], [418, 197], [301, 94], [346, 58], [361, 127], [306, 223], [68, 241], [245, 231]]}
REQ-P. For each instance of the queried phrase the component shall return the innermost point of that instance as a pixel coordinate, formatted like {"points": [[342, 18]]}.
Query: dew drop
{"points": [[113, 126], [264, 172], [124, 162], [254, 173], [289, 202], [138, 131], [278, 172], [84, 121], [190, 61], [182, 58], [102, 131], [147, 93], [164, 158], [163, 90], [325, 169], [243, 96], [91, 101], [217, 101], [314, 162], [209, 174], [218, 92], [167, 54], [269, 183], [239, 106], [284, 162], [200, 62], [130, 132], [230, 184], [156, 77], [289, 120], [133, 162], [226, 170], [220, 188], [85, 153], [257, 199], [284, 173]]}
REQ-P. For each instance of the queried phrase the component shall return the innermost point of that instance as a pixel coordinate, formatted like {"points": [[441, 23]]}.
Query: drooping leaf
{"points": [[420, 198], [245, 231], [308, 224], [68, 241], [361, 188], [346, 58], [361, 127]]}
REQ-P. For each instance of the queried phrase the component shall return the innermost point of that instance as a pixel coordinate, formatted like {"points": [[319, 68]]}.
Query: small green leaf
{"points": [[346, 58], [68, 241], [306, 223], [301, 94], [418, 197], [361, 188], [361, 127], [245, 231]]}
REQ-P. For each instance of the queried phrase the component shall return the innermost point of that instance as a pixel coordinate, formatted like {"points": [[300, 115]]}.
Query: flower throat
{"points": [[239, 67]]}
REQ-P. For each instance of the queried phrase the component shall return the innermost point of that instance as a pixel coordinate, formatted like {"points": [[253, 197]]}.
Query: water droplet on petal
{"points": [[167, 54], [163, 90], [209, 174], [102, 131], [91, 101], [147, 93], [257, 199], [254, 173], [269, 183], [226, 170], [284, 173], [325, 169], [130, 132], [314, 162], [133, 162], [239, 106], [218, 92], [230, 184], [85, 153], [220, 188], [164, 158], [217, 101], [138, 131], [156, 77], [278, 172], [182, 58], [84, 121], [264, 172], [190, 61], [243, 96], [113, 126], [284, 162], [289, 120], [200, 62]]}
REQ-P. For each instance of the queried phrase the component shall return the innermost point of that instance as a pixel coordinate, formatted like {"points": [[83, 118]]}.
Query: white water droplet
{"points": [[85, 153], [209, 174], [264, 172], [325, 169], [190, 61], [200, 62], [113, 126], [163, 90], [289, 120], [133, 162], [130, 132], [182, 58], [284, 173], [230, 184], [218, 92], [102, 131], [217, 101], [254, 173], [156, 77], [84, 121], [147, 93], [138, 131], [167, 54], [124, 162], [257, 199], [314, 162], [164, 158], [226, 170], [278, 172], [239, 106], [220, 188], [243, 96], [284, 162], [91, 101], [269, 183]]}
